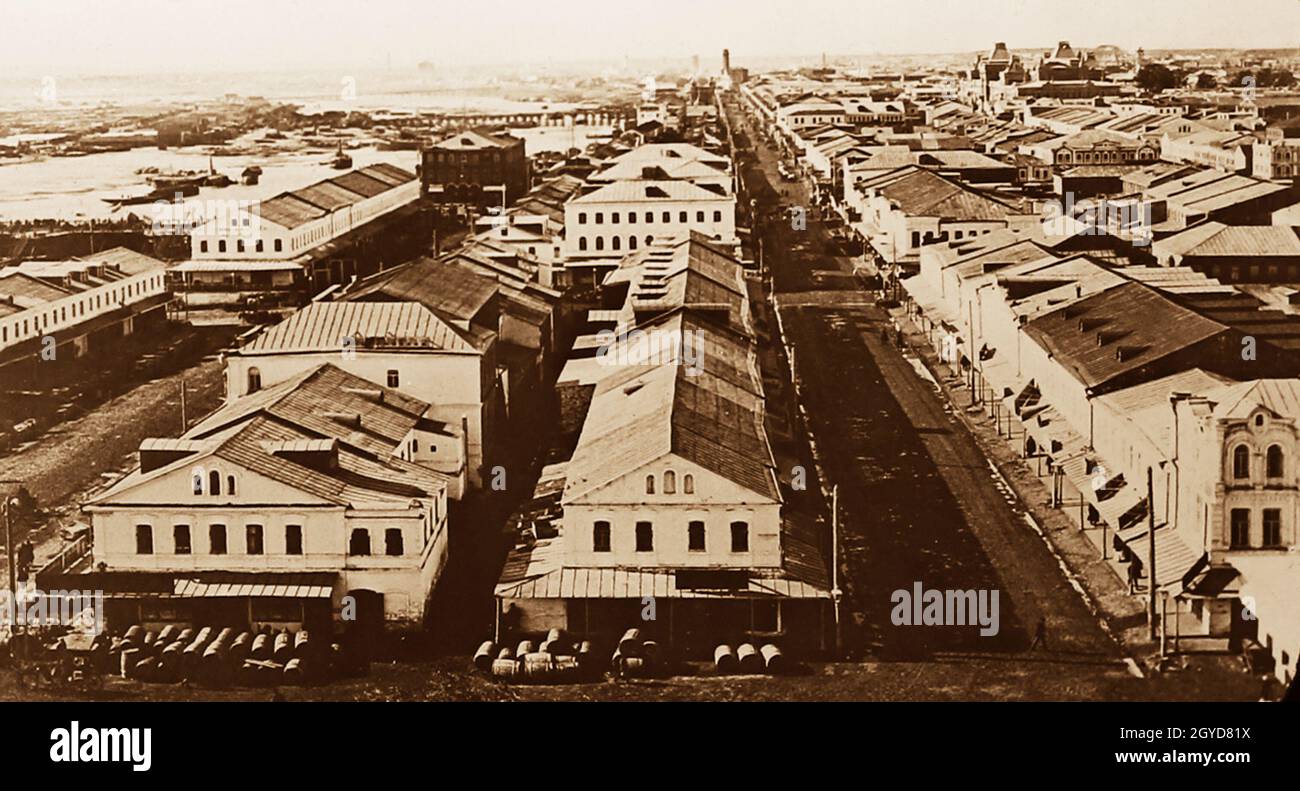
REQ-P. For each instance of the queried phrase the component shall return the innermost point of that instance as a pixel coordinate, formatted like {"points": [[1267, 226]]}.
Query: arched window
{"points": [[600, 537], [648, 240], [688, 483], [649, 484], [670, 482], [214, 483], [230, 484], [600, 243], [197, 480], [582, 243], [1241, 462], [254, 380], [616, 243], [631, 242], [1276, 467]]}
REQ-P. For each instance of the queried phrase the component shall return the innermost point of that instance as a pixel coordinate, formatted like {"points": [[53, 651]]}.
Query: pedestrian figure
{"points": [[1040, 634], [1134, 575]]}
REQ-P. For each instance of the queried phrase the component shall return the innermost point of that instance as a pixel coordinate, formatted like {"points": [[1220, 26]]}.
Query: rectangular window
{"points": [[600, 537], [1240, 528], [253, 539], [1272, 527], [394, 546], [695, 536], [293, 539], [217, 539], [739, 537], [644, 537], [144, 539], [181, 539]]}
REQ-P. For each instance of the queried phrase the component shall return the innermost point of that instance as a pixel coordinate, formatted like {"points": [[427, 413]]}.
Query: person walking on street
{"points": [[1040, 634]]}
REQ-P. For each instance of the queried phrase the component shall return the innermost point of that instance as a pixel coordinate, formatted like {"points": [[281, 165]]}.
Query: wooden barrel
{"points": [[129, 657], [567, 668], [772, 658], [135, 635], [149, 639], [630, 643], [506, 653], [283, 650], [169, 634], [650, 650], [505, 668], [186, 635], [537, 666], [294, 671], [748, 658], [484, 655], [225, 635], [724, 659], [525, 647], [261, 649], [301, 643]]}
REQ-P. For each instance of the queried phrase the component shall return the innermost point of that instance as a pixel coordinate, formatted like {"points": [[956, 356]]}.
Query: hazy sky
{"points": [[128, 36]]}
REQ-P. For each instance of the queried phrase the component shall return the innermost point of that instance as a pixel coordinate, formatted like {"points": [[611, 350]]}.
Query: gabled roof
{"points": [[919, 192], [637, 419], [315, 401], [647, 191], [1238, 401], [322, 326], [451, 290], [1119, 330], [1218, 240]]}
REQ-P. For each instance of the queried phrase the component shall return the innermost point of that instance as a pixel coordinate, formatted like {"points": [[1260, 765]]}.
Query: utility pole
{"points": [[835, 568], [185, 423], [1151, 558], [9, 551]]}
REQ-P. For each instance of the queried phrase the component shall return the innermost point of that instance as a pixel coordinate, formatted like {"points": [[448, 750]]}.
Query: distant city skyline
{"points": [[187, 36]]}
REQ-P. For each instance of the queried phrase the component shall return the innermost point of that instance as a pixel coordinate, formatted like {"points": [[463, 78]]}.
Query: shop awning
{"points": [[309, 585]]}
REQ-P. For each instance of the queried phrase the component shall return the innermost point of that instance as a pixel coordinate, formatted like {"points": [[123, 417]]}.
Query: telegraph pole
{"points": [[9, 550], [835, 568], [1151, 558]]}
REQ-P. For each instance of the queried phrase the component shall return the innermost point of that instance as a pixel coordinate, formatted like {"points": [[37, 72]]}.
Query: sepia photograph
{"points": [[845, 351]]}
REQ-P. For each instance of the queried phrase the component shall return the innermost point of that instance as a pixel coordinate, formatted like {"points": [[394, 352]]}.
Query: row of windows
{"points": [[682, 216], [1240, 528], [254, 540], [670, 483], [1274, 462], [600, 537], [114, 296], [278, 245]]}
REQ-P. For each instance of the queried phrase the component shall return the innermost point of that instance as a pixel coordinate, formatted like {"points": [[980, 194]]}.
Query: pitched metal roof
{"points": [[323, 326], [1121, 329]]}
